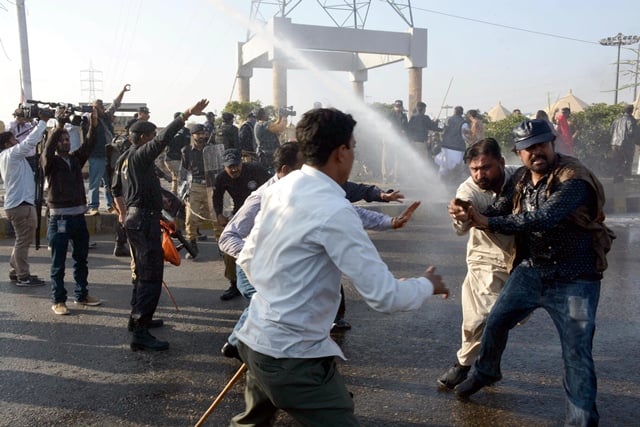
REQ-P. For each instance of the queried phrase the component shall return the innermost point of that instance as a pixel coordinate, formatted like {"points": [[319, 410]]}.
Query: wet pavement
{"points": [[79, 370]]}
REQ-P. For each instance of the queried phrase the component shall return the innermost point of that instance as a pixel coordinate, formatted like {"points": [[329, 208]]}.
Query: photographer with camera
{"points": [[67, 205], [19, 200], [98, 159], [267, 134]]}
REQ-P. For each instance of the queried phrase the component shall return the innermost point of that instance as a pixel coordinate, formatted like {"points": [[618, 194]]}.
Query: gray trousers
{"points": [[23, 220]]}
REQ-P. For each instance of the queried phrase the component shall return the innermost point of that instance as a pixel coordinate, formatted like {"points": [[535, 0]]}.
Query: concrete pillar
{"points": [[358, 88], [358, 77], [279, 84], [415, 87], [244, 89]]}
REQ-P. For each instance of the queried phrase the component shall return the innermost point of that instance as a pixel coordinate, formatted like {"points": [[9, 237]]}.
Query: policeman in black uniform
{"points": [[143, 202]]}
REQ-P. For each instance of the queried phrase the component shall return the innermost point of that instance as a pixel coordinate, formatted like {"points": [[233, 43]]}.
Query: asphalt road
{"points": [[78, 370]]}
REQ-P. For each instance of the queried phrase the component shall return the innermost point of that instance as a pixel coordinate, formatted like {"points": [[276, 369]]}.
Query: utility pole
{"points": [[24, 49], [635, 83], [619, 40]]}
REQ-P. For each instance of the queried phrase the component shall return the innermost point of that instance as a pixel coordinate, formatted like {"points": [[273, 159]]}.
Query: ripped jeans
{"points": [[572, 307]]}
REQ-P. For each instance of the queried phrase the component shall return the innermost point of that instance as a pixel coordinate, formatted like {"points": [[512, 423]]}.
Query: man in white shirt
{"points": [[305, 237], [19, 199]]}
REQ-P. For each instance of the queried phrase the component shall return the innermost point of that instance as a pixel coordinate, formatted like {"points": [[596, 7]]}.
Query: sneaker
{"points": [[60, 308], [88, 300], [92, 212], [230, 293], [454, 376], [29, 281], [340, 325]]}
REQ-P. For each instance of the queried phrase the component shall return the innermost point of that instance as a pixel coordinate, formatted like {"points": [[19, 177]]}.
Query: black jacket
{"points": [[66, 184]]}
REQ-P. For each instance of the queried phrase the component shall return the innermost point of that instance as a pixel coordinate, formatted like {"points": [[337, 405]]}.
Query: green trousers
{"points": [[310, 390]]}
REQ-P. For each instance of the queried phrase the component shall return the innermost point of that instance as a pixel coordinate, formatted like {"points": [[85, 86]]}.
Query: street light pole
{"points": [[635, 83], [619, 40]]}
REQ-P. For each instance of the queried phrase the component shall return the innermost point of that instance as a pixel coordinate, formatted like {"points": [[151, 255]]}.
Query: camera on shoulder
{"points": [[286, 111]]}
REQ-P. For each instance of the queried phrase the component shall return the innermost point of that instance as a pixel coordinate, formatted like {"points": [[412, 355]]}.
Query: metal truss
{"points": [[344, 13]]}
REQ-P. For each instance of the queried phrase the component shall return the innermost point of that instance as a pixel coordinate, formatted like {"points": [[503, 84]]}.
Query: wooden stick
{"points": [[170, 295], [224, 391]]}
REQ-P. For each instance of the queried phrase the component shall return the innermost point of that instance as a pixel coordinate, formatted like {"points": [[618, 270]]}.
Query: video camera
{"points": [[286, 111], [31, 108]]}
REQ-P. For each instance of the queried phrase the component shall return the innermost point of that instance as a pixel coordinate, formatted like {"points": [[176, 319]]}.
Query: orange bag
{"points": [[171, 254]]}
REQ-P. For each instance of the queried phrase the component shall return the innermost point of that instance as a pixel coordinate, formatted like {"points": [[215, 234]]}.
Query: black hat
{"points": [[142, 126], [143, 110], [251, 115], [197, 128], [397, 103], [211, 114], [227, 117], [130, 123], [232, 157], [531, 132]]}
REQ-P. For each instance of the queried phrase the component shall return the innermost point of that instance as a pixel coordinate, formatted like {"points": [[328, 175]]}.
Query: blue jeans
{"points": [[75, 230], [247, 290], [572, 306], [98, 174]]}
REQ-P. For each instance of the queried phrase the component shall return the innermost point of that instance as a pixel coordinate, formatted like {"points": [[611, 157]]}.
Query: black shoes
{"points": [[340, 325], [155, 323], [454, 376], [229, 350], [468, 387], [194, 246], [121, 251], [230, 293], [29, 281], [143, 340]]}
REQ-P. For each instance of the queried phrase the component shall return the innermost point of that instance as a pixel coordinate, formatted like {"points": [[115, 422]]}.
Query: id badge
{"points": [[62, 226]]}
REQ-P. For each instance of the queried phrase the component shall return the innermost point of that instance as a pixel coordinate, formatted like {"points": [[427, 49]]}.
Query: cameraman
{"points": [[267, 137], [97, 159], [20, 189], [68, 203]]}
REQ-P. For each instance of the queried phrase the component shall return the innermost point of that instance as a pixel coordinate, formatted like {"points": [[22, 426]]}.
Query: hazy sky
{"points": [[175, 52]]}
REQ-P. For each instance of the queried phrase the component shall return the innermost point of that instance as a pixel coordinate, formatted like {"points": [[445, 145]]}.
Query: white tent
{"points": [[498, 113], [569, 100]]}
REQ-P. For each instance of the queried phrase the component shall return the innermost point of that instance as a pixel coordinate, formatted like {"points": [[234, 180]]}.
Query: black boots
{"points": [[120, 251], [194, 245], [143, 340], [155, 323]]}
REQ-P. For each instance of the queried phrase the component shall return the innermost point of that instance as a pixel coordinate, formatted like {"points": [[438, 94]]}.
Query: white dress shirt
{"points": [[19, 181], [236, 231], [306, 235]]}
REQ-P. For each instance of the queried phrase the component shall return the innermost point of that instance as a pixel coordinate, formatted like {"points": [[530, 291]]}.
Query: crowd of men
{"points": [[536, 238]]}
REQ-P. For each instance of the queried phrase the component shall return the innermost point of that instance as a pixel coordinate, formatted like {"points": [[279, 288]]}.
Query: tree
{"points": [[242, 109], [593, 139], [501, 131], [593, 142], [631, 69]]}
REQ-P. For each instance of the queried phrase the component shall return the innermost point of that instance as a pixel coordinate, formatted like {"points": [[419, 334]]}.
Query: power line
{"points": [[524, 30]]}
